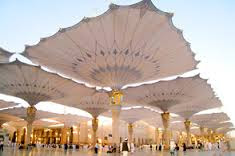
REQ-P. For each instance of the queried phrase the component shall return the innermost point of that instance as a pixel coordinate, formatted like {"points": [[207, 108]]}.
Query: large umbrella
{"points": [[124, 45]]}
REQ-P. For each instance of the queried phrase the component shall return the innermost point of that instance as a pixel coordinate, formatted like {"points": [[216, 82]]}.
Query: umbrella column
{"points": [[31, 113], [71, 130], [95, 124], [166, 133], [116, 100], [202, 131], [157, 136], [187, 125], [210, 137], [64, 133], [76, 132], [115, 124], [18, 135], [130, 132]]}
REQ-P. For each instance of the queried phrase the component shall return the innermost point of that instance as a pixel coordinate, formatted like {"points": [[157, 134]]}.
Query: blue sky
{"points": [[209, 25]]}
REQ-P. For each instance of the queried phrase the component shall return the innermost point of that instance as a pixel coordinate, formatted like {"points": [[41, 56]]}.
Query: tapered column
{"points": [[157, 136], [209, 134], [31, 113], [115, 101], [64, 135], [166, 133], [130, 132], [71, 135], [34, 139], [83, 138], [95, 124], [76, 134], [29, 133], [115, 124], [202, 131], [187, 125], [18, 135]]}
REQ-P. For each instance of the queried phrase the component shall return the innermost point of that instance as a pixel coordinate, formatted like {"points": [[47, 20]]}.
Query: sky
{"points": [[207, 25]]}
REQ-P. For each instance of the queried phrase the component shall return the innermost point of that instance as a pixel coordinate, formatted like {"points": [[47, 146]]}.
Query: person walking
{"points": [[65, 147], [184, 147], [125, 147], [172, 148], [160, 147], [177, 148], [96, 147], [132, 147], [1, 145]]}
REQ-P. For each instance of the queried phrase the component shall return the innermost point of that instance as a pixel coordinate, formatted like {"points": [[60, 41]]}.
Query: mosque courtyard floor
{"points": [[59, 152]]}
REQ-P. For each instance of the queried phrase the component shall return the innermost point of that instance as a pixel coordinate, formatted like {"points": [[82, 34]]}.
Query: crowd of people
{"points": [[126, 147]]}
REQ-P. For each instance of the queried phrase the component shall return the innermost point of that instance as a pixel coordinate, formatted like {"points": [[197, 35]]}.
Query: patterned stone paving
{"points": [[59, 152]]}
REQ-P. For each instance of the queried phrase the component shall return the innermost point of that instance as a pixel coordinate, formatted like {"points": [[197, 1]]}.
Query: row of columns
{"points": [[31, 112], [68, 135], [166, 132]]}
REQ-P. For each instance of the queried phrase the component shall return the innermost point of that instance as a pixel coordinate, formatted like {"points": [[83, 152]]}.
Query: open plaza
{"points": [[113, 84]]}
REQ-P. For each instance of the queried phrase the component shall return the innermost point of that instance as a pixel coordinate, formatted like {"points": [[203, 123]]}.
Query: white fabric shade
{"points": [[124, 45]]}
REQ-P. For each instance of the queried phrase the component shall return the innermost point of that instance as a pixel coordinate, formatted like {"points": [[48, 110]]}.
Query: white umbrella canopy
{"points": [[95, 104], [4, 56], [35, 85], [225, 129], [177, 126], [187, 110], [21, 112], [125, 45], [166, 94], [133, 115], [6, 118], [36, 124], [70, 119], [219, 125], [195, 130], [204, 119], [6, 104], [156, 121]]}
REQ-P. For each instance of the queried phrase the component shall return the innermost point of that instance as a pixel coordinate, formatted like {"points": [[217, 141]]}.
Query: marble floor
{"points": [[59, 152]]}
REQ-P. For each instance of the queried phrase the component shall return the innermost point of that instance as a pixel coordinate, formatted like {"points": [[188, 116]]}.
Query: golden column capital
{"points": [[187, 124], [116, 97], [165, 119], [31, 114], [130, 128]]}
